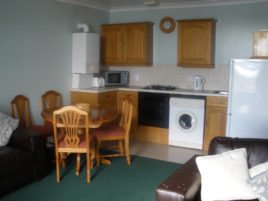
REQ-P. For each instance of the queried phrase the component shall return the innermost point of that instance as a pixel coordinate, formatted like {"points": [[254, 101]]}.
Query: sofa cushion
{"points": [[7, 126], [14, 160], [259, 185], [225, 176], [258, 169], [257, 149]]}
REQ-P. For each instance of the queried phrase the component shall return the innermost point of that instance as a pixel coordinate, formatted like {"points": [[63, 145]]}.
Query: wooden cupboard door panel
{"points": [[196, 43], [135, 44], [112, 46], [127, 44], [108, 99], [216, 115]]}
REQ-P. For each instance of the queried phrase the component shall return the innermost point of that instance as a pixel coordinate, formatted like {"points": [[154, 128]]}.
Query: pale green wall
{"points": [[234, 28], [35, 41], [36, 48]]}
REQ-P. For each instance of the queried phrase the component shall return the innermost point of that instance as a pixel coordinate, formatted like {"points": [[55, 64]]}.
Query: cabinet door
{"points": [[112, 44], [136, 44], [108, 99], [196, 43], [216, 114], [127, 44]]}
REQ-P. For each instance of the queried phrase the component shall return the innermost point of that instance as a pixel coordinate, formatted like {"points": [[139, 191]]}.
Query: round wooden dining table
{"points": [[97, 117]]}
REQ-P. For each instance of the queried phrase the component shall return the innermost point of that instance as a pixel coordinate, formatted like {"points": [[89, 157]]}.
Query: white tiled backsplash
{"points": [[216, 78]]}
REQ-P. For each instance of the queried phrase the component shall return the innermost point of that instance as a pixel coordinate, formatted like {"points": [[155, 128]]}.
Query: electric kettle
{"points": [[199, 83]]}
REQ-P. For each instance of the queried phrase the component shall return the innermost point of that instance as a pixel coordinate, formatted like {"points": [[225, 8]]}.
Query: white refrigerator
{"points": [[247, 114]]}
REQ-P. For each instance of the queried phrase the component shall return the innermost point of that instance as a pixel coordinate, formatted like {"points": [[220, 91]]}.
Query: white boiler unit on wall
{"points": [[86, 53], [85, 59]]}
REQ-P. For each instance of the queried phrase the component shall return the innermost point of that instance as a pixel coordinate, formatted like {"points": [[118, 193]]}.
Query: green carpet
{"points": [[117, 182]]}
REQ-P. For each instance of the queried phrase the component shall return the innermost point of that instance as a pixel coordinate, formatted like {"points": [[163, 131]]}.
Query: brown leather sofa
{"points": [[185, 183], [23, 160]]}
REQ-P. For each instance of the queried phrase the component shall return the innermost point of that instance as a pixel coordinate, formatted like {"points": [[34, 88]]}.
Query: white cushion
{"points": [[225, 176], [258, 169], [259, 185], [7, 126]]}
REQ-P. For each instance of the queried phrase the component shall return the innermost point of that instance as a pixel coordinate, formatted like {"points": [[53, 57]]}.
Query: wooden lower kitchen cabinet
{"points": [[215, 123], [103, 98], [152, 134], [84, 97]]}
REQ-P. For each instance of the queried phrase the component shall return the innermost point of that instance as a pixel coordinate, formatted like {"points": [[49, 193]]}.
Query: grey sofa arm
{"points": [[184, 184], [34, 142]]}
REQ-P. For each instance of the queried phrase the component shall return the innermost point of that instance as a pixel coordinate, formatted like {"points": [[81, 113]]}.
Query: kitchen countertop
{"points": [[141, 89]]}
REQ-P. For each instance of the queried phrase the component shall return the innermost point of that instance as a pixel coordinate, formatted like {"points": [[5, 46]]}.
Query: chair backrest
{"points": [[51, 99], [20, 108], [68, 122], [126, 115]]}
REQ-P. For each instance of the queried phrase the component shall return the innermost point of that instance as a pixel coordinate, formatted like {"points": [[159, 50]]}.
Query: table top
{"points": [[97, 117]]}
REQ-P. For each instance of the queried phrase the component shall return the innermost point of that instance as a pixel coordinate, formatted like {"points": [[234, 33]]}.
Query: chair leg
{"points": [[78, 160], [98, 143], [62, 160], [121, 147], [57, 168], [92, 156], [127, 151], [88, 167]]}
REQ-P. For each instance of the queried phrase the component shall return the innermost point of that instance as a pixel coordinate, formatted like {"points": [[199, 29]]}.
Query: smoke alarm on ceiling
{"points": [[150, 2]]}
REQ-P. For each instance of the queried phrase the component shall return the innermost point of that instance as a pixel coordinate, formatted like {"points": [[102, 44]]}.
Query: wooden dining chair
{"points": [[20, 109], [67, 122], [119, 133], [51, 100]]}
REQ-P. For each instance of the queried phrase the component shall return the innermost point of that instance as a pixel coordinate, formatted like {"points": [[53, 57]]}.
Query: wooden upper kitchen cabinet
{"points": [[196, 43], [216, 114], [127, 44]]}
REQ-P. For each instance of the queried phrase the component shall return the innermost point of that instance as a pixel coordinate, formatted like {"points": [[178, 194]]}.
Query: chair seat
{"points": [[82, 143], [108, 132]]}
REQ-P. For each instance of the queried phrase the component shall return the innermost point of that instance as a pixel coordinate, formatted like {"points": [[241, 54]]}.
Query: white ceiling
{"points": [[123, 5]]}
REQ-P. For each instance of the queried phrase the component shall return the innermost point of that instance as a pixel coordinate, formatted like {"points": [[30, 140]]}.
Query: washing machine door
{"points": [[186, 121]]}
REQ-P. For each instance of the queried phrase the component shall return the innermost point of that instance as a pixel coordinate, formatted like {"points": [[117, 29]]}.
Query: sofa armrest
{"points": [[34, 142], [26, 139], [184, 184]]}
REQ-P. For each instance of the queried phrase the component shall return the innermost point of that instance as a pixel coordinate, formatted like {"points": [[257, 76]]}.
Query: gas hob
{"points": [[160, 87]]}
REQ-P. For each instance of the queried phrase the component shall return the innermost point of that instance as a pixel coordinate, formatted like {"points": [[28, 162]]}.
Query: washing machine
{"points": [[186, 121]]}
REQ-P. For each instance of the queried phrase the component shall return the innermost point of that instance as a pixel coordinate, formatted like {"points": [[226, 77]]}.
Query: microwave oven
{"points": [[116, 78]]}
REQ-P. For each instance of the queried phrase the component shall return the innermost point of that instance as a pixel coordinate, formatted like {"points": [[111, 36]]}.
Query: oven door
{"points": [[153, 109]]}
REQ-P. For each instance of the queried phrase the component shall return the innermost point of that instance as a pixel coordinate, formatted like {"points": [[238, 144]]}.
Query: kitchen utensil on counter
{"points": [[199, 82], [98, 82], [101, 82]]}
